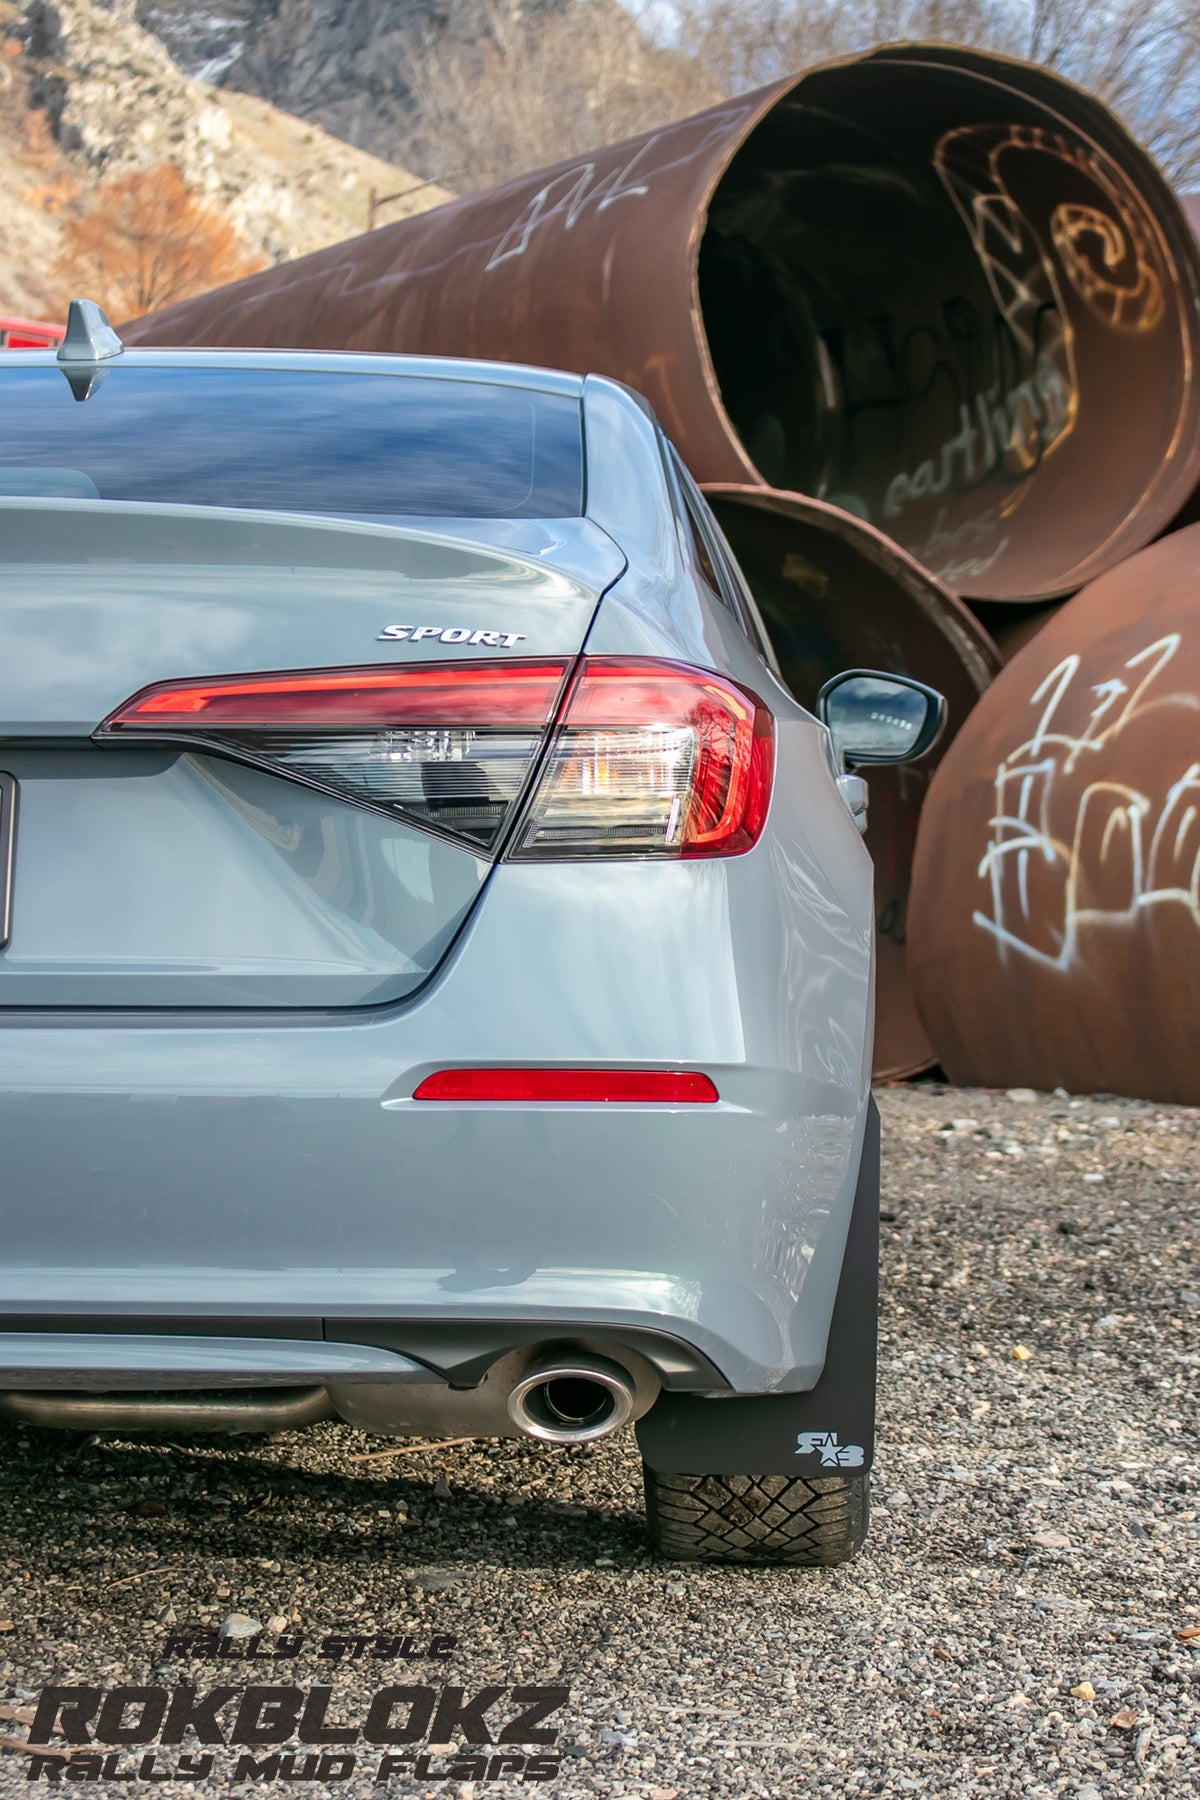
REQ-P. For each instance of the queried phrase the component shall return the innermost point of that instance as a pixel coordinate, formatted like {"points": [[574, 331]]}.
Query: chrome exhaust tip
{"points": [[571, 1400]]}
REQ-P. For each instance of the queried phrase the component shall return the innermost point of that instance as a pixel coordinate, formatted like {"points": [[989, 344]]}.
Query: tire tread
{"points": [[785, 1519]]}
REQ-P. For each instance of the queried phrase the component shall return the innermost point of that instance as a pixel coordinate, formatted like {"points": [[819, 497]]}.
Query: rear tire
{"points": [[781, 1519]]}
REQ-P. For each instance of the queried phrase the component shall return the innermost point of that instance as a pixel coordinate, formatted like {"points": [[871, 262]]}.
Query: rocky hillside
{"points": [[203, 40], [342, 66], [86, 91], [349, 67]]}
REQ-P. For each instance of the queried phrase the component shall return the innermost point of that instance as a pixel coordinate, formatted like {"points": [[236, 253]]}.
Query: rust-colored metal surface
{"points": [[836, 594], [1054, 921], [941, 289]]}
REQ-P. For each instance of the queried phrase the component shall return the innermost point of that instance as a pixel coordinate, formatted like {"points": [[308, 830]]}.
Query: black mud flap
{"points": [[829, 1430]]}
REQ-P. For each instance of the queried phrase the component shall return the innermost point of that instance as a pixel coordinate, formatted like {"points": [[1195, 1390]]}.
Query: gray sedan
{"points": [[436, 968]]}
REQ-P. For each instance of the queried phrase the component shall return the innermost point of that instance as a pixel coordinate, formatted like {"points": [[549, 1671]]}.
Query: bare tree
{"points": [[745, 43], [1141, 57], [535, 87], [533, 83]]}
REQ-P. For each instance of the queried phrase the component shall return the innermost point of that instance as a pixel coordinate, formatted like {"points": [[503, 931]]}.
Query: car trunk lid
{"points": [[153, 873]]}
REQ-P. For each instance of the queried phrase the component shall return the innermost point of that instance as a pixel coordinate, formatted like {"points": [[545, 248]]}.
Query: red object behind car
{"points": [[28, 334]]}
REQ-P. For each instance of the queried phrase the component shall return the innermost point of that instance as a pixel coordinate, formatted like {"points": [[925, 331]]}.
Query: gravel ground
{"points": [[1025, 1617]]}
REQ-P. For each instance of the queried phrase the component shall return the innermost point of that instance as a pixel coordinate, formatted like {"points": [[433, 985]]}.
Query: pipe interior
{"points": [[934, 302]]}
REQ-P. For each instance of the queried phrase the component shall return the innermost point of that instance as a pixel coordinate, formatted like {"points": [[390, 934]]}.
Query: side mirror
{"points": [[876, 718]]}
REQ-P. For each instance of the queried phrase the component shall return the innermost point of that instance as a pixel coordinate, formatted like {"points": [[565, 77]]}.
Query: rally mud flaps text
{"points": [[278, 1733]]}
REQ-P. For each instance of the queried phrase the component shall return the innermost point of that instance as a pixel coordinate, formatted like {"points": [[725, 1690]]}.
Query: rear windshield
{"points": [[364, 446]]}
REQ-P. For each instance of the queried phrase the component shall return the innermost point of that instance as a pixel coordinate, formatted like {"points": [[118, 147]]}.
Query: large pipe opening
{"points": [[934, 300]]}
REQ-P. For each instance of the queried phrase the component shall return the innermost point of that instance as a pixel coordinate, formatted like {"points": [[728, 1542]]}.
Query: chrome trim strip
{"points": [[114, 1361], [8, 838]]}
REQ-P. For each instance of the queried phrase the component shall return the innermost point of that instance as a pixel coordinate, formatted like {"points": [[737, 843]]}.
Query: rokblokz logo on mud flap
{"points": [[283, 1733], [825, 1445]]}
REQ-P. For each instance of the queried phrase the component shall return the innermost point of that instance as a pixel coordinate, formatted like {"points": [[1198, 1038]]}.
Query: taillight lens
{"points": [[450, 746], [648, 758], [653, 759]]}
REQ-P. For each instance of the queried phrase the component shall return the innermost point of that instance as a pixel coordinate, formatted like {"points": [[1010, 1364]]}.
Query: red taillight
{"points": [[481, 694], [653, 759], [647, 758], [448, 745], [662, 1087]]}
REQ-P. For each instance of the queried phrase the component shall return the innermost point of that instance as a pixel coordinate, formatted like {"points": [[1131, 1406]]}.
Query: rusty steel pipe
{"points": [[1054, 921], [834, 593], [940, 288]]}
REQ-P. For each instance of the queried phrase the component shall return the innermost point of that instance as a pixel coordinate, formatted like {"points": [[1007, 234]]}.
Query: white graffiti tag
{"points": [[1123, 850], [567, 195]]}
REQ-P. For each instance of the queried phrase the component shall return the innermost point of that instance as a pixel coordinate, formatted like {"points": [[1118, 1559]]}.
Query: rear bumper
{"points": [[721, 1229], [467, 1382], [275, 1177]]}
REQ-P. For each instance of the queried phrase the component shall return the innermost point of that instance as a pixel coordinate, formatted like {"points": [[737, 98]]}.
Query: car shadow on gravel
{"points": [[227, 1500]]}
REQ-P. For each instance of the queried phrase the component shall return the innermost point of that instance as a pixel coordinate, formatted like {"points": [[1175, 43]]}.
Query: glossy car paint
{"points": [[264, 1168]]}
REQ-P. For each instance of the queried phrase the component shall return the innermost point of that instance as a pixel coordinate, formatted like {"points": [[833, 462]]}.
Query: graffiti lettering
{"points": [[567, 196], [1124, 850], [988, 432], [971, 393]]}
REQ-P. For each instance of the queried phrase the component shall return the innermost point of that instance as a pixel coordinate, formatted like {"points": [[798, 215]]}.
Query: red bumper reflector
{"points": [[661, 1087]]}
